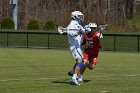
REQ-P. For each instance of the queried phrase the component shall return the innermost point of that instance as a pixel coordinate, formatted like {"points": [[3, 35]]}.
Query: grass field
{"points": [[25, 70]]}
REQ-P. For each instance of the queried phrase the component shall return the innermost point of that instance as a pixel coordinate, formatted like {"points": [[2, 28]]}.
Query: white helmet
{"points": [[93, 25], [78, 16]]}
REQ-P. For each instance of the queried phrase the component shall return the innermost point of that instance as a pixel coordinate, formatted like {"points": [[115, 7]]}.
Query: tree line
{"points": [[116, 12]]}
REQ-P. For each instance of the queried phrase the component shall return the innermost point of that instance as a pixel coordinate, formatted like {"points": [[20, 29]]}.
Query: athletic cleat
{"points": [[70, 74], [80, 79], [74, 81]]}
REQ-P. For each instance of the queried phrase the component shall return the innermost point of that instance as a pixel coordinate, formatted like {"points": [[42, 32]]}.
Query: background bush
{"points": [[134, 23], [33, 25], [6, 23], [50, 25]]}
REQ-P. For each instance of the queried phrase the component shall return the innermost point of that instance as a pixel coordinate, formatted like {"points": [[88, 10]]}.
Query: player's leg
{"points": [[72, 49], [92, 63], [77, 54], [71, 72], [80, 78], [77, 69]]}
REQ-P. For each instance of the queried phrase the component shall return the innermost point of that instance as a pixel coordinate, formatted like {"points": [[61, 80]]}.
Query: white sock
{"points": [[81, 76], [74, 76]]}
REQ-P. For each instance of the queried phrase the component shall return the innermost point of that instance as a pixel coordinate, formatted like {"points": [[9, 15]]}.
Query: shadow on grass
{"points": [[66, 81], [86, 81], [63, 81]]}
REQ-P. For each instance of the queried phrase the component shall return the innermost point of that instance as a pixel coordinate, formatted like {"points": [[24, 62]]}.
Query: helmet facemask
{"points": [[93, 27], [78, 16]]}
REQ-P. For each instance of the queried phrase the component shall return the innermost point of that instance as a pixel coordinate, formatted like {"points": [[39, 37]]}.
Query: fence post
{"points": [[48, 41], [27, 40], [114, 43], [138, 43], [7, 40]]}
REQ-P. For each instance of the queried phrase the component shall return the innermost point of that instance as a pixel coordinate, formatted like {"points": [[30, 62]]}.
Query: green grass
{"points": [[45, 71]]}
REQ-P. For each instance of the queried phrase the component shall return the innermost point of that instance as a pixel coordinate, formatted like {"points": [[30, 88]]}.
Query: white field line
{"points": [[37, 79]]}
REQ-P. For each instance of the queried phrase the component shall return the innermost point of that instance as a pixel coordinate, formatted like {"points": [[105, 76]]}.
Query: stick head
{"points": [[102, 27]]}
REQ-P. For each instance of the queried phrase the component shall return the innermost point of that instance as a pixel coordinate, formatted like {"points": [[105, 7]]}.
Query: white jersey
{"points": [[74, 39]]}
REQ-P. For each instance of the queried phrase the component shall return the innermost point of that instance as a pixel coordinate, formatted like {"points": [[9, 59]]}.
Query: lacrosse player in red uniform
{"points": [[92, 44]]}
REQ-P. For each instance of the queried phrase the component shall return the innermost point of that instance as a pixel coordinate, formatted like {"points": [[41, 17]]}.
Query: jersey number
{"points": [[89, 44]]}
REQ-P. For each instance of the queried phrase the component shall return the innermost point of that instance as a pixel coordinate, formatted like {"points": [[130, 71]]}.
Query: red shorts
{"points": [[91, 57]]}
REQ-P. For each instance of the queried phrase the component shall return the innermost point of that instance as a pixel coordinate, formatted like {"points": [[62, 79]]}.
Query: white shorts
{"points": [[76, 52]]}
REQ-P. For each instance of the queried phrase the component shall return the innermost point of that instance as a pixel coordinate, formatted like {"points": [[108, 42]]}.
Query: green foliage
{"points": [[112, 28], [50, 25], [33, 25], [6, 23], [134, 23]]}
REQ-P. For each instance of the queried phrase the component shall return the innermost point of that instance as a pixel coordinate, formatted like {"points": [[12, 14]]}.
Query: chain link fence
{"points": [[110, 42]]}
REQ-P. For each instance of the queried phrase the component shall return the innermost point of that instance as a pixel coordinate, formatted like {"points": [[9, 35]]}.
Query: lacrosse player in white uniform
{"points": [[75, 37]]}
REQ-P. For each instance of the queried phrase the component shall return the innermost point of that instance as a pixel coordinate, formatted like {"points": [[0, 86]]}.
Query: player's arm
{"points": [[99, 36], [84, 39], [78, 30], [72, 33]]}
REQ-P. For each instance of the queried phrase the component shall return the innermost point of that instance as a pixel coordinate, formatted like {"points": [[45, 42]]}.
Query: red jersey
{"points": [[92, 43]]}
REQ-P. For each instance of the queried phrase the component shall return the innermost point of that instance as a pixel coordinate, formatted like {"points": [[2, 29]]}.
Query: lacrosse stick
{"points": [[102, 28], [62, 30]]}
